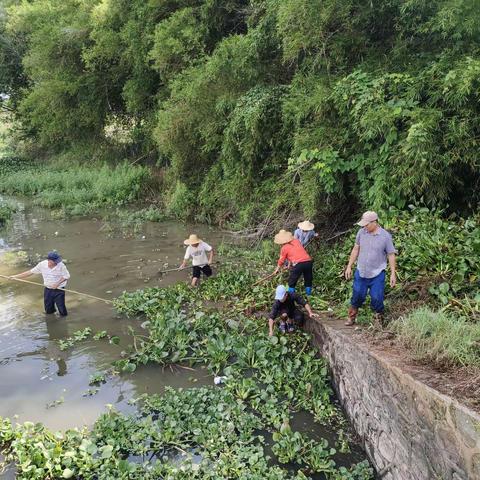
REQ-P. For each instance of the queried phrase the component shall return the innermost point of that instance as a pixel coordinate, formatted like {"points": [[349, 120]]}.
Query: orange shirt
{"points": [[293, 252]]}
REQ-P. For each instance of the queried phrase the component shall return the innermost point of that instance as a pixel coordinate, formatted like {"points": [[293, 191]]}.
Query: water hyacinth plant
{"points": [[215, 432]]}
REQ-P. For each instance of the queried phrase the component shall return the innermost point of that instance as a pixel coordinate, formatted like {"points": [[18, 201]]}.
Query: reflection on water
{"points": [[34, 371]]}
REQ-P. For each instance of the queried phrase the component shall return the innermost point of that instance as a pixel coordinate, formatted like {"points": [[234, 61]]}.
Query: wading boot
{"points": [[378, 320], [352, 316]]}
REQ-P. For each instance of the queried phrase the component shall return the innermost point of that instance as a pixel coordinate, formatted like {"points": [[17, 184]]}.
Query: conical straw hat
{"points": [[283, 237], [192, 239], [306, 226]]}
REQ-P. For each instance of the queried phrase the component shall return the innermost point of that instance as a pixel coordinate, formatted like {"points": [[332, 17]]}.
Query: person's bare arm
{"points": [[353, 258], [392, 261], [210, 257], [270, 326], [184, 262], [56, 285], [310, 312], [26, 274]]}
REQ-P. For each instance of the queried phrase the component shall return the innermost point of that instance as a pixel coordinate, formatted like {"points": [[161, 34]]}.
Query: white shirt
{"points": [[198, 254], [51, 276]]}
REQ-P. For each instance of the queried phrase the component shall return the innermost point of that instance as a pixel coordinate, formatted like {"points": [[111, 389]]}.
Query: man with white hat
{"points": [[55, 276], [285, 305], [305, 232], [197, 250], [373, 246], [301, 263]]}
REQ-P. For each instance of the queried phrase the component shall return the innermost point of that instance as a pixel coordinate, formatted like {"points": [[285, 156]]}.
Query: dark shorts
{"points": [[206, 269]]}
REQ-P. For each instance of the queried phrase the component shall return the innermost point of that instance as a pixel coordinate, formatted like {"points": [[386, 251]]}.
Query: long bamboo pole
{"points": [[264, 279], [161, 272], [64, 289]]}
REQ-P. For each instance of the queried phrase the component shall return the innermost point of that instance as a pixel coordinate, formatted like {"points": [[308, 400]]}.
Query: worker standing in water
{"points": [[197, 250], [55, 276]]}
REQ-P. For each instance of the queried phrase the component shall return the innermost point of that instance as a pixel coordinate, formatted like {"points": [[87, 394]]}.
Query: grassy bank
{"points": [[219, 432], [440, 338], [76, 189], [438, 268]]}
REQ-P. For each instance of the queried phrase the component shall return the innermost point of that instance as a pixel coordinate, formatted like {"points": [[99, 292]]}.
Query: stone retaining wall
{"points": [[409, 430]]}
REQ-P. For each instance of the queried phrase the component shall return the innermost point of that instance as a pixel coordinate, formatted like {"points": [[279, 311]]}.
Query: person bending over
{"points": [[298, 259], [305, 233], [286, 307]]}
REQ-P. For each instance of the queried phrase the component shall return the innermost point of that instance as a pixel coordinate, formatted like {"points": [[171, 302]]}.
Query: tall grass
{"points": [[78, 188], [446, 340]]}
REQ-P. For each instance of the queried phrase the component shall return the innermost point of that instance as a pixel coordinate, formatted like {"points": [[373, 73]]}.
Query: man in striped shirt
{"points": [[55, 276]]}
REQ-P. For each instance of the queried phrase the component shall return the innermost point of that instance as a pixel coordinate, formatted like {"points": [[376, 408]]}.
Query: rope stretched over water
{"points": [[64, 289]]}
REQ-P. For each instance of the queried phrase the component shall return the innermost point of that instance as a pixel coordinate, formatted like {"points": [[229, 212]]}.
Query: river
{"points": [[35, 372], [42, 383]]}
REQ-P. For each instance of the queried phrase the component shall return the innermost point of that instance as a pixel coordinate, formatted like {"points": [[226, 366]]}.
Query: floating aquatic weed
{"points": [[77, 336], [97, 378], [99, 335], [224, 426]]}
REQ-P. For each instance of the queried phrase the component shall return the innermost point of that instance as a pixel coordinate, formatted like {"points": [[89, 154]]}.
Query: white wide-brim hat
{"points": [[192, 240], [306, 226]]}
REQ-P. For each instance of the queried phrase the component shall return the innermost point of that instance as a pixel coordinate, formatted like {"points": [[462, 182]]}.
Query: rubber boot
{"points": [[352, 316]]}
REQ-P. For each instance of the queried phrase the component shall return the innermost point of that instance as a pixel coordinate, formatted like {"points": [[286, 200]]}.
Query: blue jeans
{"points": [[361, 286]]}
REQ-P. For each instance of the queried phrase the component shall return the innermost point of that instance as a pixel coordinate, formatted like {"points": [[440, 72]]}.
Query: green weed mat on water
{"points": [[217, 432]]}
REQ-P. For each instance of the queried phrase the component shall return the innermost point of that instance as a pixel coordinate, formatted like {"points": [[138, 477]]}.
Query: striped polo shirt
{"points": [[374, 248], [51, 276]]}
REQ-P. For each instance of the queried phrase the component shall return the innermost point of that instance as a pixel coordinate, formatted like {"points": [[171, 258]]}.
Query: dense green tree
{"points": [[258, 107]]}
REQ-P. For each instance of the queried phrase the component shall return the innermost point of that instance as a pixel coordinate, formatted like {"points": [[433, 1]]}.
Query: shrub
{"points": [[441, 252], [181, 202]]}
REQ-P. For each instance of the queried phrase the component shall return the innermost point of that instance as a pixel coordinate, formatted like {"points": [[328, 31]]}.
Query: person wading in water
{"points": [[298, 258], [373, 246], [197, 250], [55, 276]]}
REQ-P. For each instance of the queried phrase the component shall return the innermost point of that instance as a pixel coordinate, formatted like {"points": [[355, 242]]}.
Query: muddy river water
{"points": [[41, 383], [34, 372]]}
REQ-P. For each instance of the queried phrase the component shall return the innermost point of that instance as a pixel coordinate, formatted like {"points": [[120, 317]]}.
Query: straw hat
{"points": [[283, 237], [306, 226], [192, 240]]}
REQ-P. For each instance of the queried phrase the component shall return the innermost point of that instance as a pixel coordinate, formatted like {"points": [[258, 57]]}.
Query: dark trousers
{"points": [[302, 268], [54, 298]]}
